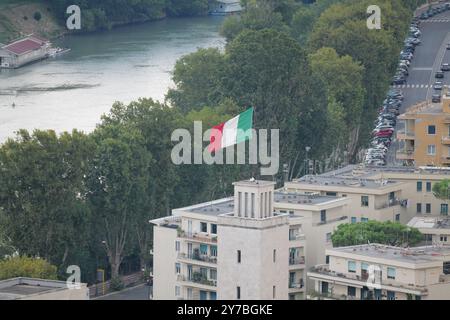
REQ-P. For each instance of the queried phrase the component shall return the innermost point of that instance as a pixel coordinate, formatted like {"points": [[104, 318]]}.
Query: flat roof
{"points": [[429, 223], [24, 45], [361, 171], [345, 181], [415, 255]]}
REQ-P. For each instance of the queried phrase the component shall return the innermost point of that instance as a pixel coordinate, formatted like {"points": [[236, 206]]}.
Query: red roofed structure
{"points": [[23, 51]]}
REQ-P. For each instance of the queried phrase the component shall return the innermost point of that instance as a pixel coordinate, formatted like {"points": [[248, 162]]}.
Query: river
{"points": [[75, 89]]}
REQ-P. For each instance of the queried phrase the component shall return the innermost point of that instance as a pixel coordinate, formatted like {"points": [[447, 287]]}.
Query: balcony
{"points": [[197, 257], [445, 159], [331, 221], [197, 278], [388, 204], [296, 261], [296, 237], [446, 140], [296, 285], [196, 237], [402, 135], [323, 273], [405, 155]]}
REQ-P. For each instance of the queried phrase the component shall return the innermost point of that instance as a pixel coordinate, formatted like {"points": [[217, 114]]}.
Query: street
{"points": [[428, 59], [140, 292]]}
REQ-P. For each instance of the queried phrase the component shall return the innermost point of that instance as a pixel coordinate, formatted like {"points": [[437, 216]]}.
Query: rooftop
{"points": [[345, 181], [18, 288], [429, 223], [25, 45], [414, 255]]}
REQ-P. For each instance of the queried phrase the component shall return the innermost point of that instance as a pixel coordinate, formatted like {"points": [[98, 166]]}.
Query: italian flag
{"points": [[232, 132]]}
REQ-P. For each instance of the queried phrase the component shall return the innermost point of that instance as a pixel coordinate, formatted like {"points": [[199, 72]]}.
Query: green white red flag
{"points": [[232, 132]]}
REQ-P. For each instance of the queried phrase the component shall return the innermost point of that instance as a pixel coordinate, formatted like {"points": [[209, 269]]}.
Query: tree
{"points": [[388, 233], [342, 80], [441, 190], [42, 194], [197, 77], [27, 267], [118, 187]]}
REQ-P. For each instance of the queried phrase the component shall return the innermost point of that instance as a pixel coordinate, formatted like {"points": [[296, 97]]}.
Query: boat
{"points": [[55, 52]]}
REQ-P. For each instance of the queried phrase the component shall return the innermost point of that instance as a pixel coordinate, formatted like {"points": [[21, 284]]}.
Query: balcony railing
{"points": [[446, 140], [296, 237], [296, 285], [198, 257], [402, 135], [331, 220], [405, 155], [199, 278], [388, 204], [297, 260], [197, 237], [323, 269]]}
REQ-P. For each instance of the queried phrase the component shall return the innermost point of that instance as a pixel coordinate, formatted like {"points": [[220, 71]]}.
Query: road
{"points": [[140, 292], [428, 58]]}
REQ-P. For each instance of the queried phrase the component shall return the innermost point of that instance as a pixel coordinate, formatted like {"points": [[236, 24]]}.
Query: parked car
{"points": [[436, 98], [438, 85], [439, 75], [445, 67]]}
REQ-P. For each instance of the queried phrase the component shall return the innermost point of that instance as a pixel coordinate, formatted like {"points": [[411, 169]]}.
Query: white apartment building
{"points": [[436, 230], [378, 272], [250, 246]]}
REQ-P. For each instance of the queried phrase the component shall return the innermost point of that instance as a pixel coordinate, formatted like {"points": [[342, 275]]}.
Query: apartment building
{"points": [[436, 230], [426, 134], [253, 245], [370, 199], [378, 272]]}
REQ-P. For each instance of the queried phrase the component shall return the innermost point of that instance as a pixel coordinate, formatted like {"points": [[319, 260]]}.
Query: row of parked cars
{"points": [[385, 124], [434, 11]]}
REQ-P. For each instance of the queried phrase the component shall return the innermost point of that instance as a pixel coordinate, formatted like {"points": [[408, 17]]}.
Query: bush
{"points": [[25, 18], [116, 284], [37, 16], [27, 267]]}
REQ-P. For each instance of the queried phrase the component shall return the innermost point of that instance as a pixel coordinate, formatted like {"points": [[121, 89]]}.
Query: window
{"points": [[213, 228], [252, 208], [177, 268], [239, 204], [177, 245], [432, 129], [419, 186], [238, 293], [352, 266], [203, 249], [419, 208], [364, 219], [328, 237], [354, 220], [443, 238], [397, 217], [327, 259], [428, 237], [203, 227], [274, 291], [323, 216], [428, 208], [213, 295], [274, 255], [391, 273], [444, 209], [364, 266], [428, 186], [391, 295], [177, 291], [431, 149], [351, 291], [239, 256], [214, 251], [246, 204], [213, 274], [364, 201]]}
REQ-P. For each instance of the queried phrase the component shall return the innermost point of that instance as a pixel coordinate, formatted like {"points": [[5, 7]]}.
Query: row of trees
{"points": [[104, 14]]}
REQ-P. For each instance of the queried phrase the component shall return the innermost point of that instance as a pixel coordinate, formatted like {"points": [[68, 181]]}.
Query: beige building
{"points": [[250, 246], [40, 289], [436, 230], [378, 272], [412, 189], [426, 134]]}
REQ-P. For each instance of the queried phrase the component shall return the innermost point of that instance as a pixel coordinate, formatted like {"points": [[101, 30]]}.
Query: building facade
{"points": [[378, 272], [436, 230], [23, 51], [250, 246]]}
